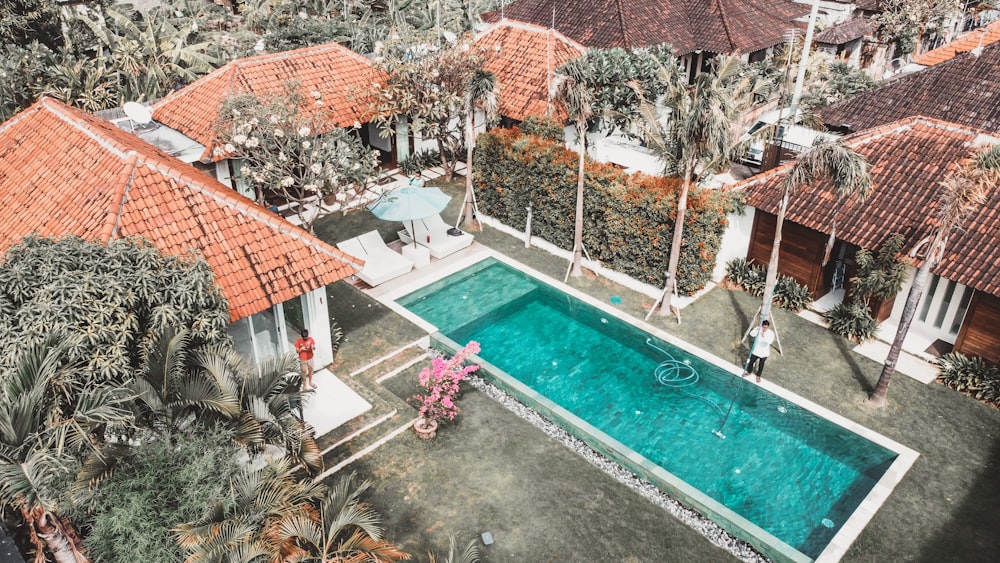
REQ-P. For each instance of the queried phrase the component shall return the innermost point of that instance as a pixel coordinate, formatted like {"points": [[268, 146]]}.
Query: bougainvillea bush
{"points": [[442, 381], [628, 219]]}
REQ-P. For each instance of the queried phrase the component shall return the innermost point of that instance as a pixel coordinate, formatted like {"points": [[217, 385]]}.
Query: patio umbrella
{"points": [[409, 204]]}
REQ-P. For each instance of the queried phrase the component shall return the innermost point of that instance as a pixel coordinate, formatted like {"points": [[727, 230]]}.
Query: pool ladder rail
{"points": [[678, 374]]}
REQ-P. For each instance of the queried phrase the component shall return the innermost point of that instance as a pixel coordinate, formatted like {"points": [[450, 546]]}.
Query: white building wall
{"points": [[735, 241]]}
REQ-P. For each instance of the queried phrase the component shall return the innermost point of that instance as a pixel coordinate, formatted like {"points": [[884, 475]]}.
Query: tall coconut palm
{"points": [[480, 92], [691, 130], [577, 98], [828, 164], [347, 529], [963, 193]]}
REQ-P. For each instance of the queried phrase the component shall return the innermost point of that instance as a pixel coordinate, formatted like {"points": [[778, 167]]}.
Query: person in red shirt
{"points": [[305, 346]]}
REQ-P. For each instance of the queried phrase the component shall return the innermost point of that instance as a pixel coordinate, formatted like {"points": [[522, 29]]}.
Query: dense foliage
{"points": [[852, 320], [160, 485], [788, 293], [291, 153], [837, 82], [971, 375], [108, 299], [880, 276], [629, 218]]}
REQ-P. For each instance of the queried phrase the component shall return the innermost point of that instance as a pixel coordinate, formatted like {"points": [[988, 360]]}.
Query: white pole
{"points": [[804, 59]]}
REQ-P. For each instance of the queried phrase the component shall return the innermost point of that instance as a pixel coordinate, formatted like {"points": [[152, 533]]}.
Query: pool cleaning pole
{"points": [[725, 419]]}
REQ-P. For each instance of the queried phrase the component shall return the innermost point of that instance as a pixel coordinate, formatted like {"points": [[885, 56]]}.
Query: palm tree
{"points": [[346, 529], [39, 442], [468, 555], [480, 91], [694, 136], [831, 160], [963, 193], [577, 98]]}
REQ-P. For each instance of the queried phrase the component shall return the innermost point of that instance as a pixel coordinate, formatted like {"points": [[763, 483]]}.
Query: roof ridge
{"points": [[621, 24], [724, 18], [532, 28], [131, 165], [80, 126]]}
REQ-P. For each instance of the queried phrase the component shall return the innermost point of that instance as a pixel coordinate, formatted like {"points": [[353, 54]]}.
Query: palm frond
{"points": [[846, 169]]}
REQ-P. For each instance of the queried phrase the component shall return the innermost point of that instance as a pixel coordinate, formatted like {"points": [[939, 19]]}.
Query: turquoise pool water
{"points": [[786, 470]]}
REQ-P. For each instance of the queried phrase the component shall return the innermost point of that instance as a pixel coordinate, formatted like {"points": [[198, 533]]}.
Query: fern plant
{"points": [[788, 293]]}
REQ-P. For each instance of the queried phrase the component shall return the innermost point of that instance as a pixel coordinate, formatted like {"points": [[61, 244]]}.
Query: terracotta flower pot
{"points": [[425, 429]]}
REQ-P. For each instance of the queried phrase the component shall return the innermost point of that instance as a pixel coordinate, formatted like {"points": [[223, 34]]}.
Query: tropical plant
{"points": [[108, 299], [42, 442], [970, 375], [427, 84], [150, 55], [788, 293], [156, 484], [691, 130], [572, 91], [544, 127], [962, 193], [344, 529], [442, 380], [480, 93], [880, 274], [837, 82], [852, 320], [907, 21], [468, 555], [182, 382], [246, 525], [630, 217], [290, 150], [827, 164]]}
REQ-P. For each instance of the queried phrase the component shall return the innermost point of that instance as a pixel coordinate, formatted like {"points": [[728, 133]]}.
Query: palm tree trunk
{"points": [[675, 244], [578, 227], [52, 531], [470, 141], [877, 397], [772, 265]]}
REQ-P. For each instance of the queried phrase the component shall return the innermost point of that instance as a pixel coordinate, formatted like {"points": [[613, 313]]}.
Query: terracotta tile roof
{"points": [[908, 160], [718, 26], [339, 74], [524, 58], [964, 90], [844, 32], [66, 172], [963, 44]]}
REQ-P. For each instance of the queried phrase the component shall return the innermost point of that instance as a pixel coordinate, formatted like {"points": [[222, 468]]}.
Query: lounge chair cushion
{"points": [[439, 242], [381, 262]]}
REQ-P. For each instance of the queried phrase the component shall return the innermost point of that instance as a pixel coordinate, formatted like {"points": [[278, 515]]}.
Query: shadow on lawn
{"points": [[962, 537], [851, 359]]}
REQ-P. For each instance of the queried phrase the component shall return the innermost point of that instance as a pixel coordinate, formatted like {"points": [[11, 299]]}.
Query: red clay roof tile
{"points": [[341, 76], [66, 172], [524, 58], [964, 90], [718, 26], [965, 43], [908, 160]]}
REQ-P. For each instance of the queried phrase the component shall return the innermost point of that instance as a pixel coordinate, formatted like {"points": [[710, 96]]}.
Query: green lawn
{"points": [[492, 471]]}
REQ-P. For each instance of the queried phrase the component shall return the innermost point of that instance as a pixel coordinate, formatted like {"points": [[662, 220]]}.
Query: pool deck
{"points": [[388, 292]]}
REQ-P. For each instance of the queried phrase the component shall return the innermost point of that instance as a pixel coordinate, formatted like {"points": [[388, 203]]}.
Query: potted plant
{"points": [[441, 380]]}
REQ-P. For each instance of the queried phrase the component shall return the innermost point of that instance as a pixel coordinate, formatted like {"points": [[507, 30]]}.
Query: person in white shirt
{"points": [[762, 340]]}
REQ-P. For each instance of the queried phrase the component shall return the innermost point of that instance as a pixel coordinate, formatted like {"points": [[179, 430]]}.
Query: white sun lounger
{"points": [[432, 232], [381, 262]]}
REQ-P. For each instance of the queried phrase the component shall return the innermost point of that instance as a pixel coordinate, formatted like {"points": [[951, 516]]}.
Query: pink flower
{"points": [[442, 381]]}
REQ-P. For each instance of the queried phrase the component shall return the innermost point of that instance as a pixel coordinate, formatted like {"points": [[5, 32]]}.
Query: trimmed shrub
{"points": [[544, 127], [788, 293], [970, 375], [628, 221], [852, 321], [420, 161]]}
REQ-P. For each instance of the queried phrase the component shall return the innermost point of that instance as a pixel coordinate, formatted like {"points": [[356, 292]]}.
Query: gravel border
{"points": [[710, 530]]}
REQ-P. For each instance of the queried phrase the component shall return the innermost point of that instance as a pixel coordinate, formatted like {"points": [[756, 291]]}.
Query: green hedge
{"points": [[628, 220]]}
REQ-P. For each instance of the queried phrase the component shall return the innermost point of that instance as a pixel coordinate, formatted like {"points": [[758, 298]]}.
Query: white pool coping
{"points": [[849, 531]]}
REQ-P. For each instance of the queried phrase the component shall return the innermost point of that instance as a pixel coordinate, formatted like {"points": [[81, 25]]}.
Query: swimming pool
{"points": [[782, 478]]}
